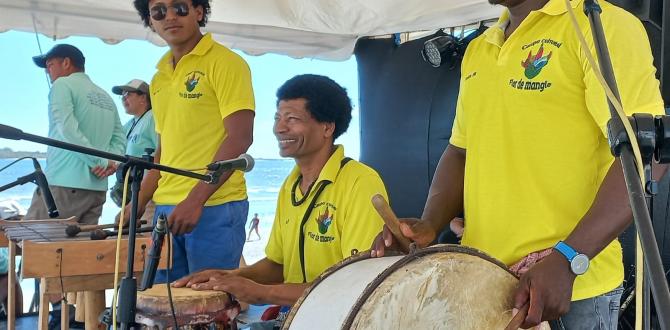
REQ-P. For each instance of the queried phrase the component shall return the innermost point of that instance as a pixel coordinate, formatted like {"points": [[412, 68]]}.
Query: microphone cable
{"points": [[167, 279], [639, 256], [118, 248], [16, 161]]}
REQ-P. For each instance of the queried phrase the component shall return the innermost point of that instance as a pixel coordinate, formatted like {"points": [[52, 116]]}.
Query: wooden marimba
{"points": [[67, 264]]}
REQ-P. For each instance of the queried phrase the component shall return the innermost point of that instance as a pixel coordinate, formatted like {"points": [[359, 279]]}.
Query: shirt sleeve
{"points": [[117, 144], [362, 223], [61, 109], [458, 136], [632, 61], [232, 83], [275, 248]]}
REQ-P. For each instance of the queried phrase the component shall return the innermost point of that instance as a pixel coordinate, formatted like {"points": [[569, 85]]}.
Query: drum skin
{"points": [[194, 309], [441, 287]]}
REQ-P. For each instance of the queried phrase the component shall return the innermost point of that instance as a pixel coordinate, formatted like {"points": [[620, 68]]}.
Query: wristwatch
{"points": [[579, 262]]}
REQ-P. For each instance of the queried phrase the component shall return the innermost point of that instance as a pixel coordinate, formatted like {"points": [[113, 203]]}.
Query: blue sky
{"points": [[24, 86]]}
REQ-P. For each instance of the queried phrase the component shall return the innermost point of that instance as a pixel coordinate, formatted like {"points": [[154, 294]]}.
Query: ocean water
{"points": [[263, 184]]}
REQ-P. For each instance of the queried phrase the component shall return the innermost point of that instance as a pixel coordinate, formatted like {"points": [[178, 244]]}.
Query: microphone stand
{"points": [[128, 287], [620, 146]]}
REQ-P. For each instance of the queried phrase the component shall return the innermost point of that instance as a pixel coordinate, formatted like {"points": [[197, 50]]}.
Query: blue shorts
{"points": [[216, 241]]}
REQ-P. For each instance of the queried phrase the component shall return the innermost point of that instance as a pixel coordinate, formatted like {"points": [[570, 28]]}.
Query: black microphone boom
{"points": [[154, 256], [41, 181]]}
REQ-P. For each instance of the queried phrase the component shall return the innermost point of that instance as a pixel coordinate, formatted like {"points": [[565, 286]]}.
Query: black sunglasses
{"points": [[159, 11]]}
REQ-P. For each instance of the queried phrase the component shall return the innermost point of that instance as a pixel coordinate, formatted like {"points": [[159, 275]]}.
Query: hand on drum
{"points": [[184, 217], [547, 290], [413, 229], [242, 288], [200, 277]]}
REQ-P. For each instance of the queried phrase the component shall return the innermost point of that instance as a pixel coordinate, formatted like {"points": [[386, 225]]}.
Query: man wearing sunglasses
{"points": [[203, 107]]}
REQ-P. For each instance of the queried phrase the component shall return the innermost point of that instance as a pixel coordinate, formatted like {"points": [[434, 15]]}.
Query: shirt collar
{"points": [[329, 171], [165, 63]]}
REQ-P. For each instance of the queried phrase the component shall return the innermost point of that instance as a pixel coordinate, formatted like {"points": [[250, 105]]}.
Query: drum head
{"points": [[444, 287]]}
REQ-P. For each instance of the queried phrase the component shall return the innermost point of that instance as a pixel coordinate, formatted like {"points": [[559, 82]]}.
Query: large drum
{"points": [[440, 287], [194, 309]]}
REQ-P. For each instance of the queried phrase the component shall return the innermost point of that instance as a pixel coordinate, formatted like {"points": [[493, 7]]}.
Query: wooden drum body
{"points": [[441, 287], [193, 309]]}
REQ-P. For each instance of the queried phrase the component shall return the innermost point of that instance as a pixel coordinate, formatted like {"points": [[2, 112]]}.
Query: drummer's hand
{"points": [[242, 288], [547, 287], [126, 215], [199, 277], [184, 217], [420, 232]]}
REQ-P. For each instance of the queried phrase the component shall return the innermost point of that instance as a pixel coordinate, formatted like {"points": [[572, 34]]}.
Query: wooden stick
{"points": [[391, 221], [517, 320]]}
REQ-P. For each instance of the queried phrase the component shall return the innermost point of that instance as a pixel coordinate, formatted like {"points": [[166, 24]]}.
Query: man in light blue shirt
{"points": [[140, 132], [80, 113]]}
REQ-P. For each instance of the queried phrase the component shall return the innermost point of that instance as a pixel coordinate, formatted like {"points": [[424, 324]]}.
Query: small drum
{"points": [[440, 287], [194, 309]]}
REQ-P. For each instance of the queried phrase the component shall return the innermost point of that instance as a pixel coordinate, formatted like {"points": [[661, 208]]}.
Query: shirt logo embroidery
{"points": [[534, 63], [324, 220], [191, 82]]}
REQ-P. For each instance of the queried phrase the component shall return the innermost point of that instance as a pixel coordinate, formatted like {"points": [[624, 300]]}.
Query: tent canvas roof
{"points": [[326, 29]]}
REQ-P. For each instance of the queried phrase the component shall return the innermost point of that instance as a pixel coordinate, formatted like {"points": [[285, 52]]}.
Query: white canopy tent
{"points": [[325, 29]]}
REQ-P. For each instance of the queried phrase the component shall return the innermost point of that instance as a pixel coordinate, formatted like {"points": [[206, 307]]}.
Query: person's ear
{"points": [[329, 129], [199, 13]]}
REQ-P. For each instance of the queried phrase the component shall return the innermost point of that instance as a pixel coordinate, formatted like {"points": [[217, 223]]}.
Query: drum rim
{"points": [[369, 289], [343, 263]]}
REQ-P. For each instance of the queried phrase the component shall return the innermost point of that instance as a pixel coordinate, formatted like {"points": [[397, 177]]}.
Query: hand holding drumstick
{"points": [[399, 233]]}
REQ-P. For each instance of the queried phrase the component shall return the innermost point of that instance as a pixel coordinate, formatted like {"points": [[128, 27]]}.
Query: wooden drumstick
{"points": [[517, 320], [74, 229], [391, 221]]}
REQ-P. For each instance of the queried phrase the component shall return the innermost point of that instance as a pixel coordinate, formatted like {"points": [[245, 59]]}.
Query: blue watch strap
{"points": [[566, 250]]}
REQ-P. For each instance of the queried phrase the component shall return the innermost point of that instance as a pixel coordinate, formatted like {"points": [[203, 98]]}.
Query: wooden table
{"points": [[66, 264]]}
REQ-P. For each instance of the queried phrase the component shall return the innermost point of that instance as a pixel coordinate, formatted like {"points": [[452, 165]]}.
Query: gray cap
{"points": [[134, 85], [61, 51]]}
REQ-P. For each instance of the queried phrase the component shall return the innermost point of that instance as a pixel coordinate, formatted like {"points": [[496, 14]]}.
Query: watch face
{"points": [[579, 264]]}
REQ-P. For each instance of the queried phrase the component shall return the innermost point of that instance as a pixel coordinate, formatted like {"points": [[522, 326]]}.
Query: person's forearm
{"points": [[285, 294], [239, 127], [445, 197], [264, 271], [609, 215]]}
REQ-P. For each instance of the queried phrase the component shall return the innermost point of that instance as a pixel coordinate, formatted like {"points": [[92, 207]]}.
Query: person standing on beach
{"points": [[84, 114], [254, 226], [324, 211], [203, 104]]}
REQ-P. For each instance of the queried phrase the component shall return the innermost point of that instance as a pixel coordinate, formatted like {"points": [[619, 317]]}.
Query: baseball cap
{"points": [[61, 51], [134, 85]]}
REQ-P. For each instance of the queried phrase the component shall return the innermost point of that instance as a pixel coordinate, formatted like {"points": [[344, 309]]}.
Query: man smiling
{"points": [[324, 213], [203, 105]]}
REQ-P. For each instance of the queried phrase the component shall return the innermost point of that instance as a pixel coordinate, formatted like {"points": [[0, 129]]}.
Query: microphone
{"points": [[154, 256], [243, 163], [41, 181], [9, 132]]}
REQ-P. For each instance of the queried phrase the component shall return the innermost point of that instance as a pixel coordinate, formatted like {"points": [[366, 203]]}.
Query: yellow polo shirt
{"points": [[342, 220], [189, 104], [533, 117]]}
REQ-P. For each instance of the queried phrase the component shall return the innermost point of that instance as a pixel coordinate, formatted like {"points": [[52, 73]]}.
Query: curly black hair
{"points": [[142, 7], [327, 101]]}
